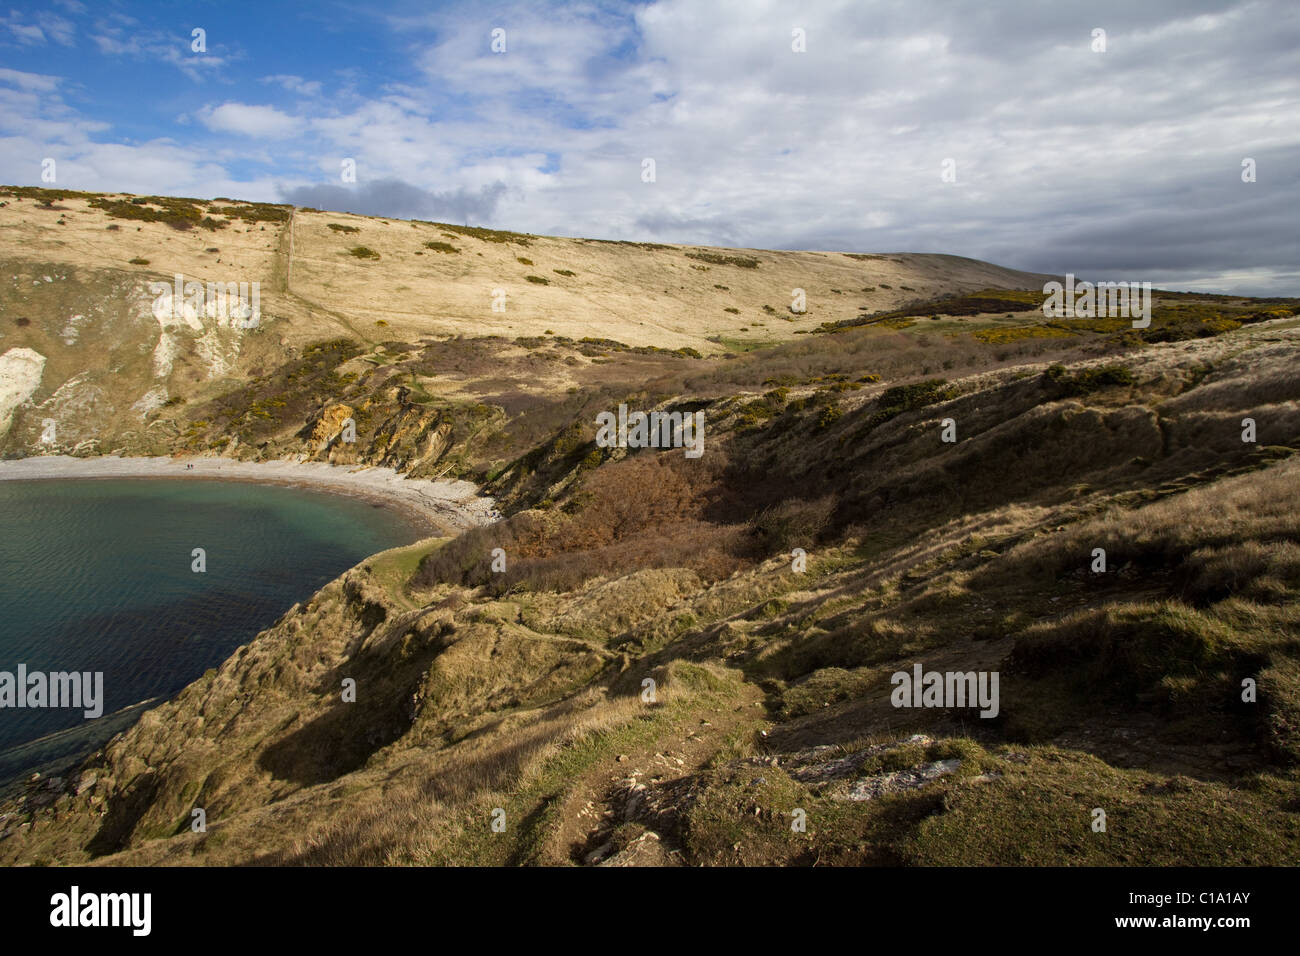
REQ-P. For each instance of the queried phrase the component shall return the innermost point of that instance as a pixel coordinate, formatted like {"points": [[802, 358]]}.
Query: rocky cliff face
{"points": [[412, 440], [101, 356]]}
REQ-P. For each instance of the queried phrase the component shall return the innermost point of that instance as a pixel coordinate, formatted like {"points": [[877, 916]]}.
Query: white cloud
{"points": [[249, 120], [59, 29], [295, 84], [122, 36], [44, 26], [29, 81]]}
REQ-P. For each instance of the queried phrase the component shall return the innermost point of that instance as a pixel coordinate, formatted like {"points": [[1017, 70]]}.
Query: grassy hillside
{"points": [[121, 374], [520, 696]]}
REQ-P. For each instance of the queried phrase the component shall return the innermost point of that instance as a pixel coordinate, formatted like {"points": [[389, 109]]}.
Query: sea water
{"points": [[98, 575]]}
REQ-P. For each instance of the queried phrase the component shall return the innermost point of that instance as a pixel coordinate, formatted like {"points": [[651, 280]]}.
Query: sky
{"points": [[1007, 131]]}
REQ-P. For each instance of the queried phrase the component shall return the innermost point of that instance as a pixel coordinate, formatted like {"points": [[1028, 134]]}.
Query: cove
{"points": [[96, 576]]}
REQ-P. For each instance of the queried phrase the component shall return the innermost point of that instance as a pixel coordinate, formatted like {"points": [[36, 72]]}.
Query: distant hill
{"points": [[93, 357]]}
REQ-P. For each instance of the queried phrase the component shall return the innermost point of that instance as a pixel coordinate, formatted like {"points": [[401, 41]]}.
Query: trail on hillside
{"points": [[282, 277]]}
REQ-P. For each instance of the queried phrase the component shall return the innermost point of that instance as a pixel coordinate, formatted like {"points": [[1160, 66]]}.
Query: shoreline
{"points": [[440, 507]]}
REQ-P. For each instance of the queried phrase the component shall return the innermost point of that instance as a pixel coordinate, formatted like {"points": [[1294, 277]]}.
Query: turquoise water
{"points": [[95, 575]]}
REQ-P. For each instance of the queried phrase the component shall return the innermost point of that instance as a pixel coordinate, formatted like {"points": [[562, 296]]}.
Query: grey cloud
{"points": [[692, 230], [395, 199], [1125, 164]]}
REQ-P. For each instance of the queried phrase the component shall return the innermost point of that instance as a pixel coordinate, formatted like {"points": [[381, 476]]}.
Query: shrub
{"points": [[441, 247], [487, 235], [828, 417], [753, 415], [182, 213], [339, 227], [137, 261], [254, 212], [720, 260], [903, 398], [794, 523], [363, 252], [641, 512], [538, 280], [1086, 380], [1004, 335]]}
